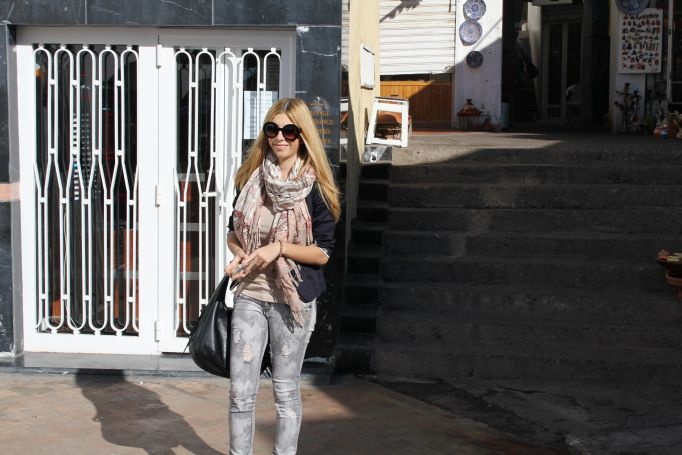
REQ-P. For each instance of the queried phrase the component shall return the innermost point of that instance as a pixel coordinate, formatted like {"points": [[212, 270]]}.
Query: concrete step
{"points": [[372, 211], [626, 221], [629, 153], [533, 301], [533, 334], [373, 190], [366, 251], [559, 272], [642, 247], [378, 170], [445, 243], [538, 174], [359, 318], [363, 291], [365, 259], [588, 363], [353, 353], [367, 233], [554, 196]]}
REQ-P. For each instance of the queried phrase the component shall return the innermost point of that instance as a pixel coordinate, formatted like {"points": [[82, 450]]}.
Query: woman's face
{"points": [[283, 149]]}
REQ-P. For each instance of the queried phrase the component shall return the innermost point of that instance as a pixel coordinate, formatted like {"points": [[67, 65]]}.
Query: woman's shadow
{"points": [[132, 416]]}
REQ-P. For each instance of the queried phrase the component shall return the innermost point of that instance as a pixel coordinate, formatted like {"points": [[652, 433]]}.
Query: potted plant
{"points": [[672, 263]]}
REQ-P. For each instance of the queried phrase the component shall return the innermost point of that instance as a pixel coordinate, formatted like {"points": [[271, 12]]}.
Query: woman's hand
{"points": [[260, 259], [232, 267]]}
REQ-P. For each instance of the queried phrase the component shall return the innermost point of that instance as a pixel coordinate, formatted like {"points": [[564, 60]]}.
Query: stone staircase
{"points": [[524, 263], [354, 348]]}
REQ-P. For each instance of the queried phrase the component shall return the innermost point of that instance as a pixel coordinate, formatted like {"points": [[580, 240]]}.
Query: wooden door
{"points": [[430, 101]]}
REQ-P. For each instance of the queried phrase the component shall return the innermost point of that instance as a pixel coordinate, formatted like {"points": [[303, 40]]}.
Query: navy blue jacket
{"points": [[313, 283]]}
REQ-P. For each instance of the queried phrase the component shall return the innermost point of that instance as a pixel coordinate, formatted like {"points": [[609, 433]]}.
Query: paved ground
{"points": [[586, 418], [98, 414], [108, 414]]}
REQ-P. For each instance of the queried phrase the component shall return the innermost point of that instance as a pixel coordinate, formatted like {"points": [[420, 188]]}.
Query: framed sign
{"points": [[640, 41]]}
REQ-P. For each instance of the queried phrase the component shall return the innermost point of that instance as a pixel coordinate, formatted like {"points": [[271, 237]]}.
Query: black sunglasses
{"points": [[290, 132]]}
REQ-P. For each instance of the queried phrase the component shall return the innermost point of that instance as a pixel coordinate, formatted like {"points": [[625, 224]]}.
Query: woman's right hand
{"points": [[231, 268]]}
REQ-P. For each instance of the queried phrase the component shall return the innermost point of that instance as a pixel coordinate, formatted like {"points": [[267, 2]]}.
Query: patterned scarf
{"points": [[291, 224]]}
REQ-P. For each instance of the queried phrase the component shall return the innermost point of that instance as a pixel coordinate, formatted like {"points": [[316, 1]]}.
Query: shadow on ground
{"points": [[132, 416]]}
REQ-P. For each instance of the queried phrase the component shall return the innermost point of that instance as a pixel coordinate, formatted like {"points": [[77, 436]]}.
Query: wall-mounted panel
{"points": [[43, 12], [318, 78], [277, 12], [149, 12], [6, 41]]}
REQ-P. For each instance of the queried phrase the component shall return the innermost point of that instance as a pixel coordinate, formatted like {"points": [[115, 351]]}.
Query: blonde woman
{"points": [[281, 233]]}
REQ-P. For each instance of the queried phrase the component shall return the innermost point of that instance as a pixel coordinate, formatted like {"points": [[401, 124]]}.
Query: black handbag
{"points": [[209, 340]]}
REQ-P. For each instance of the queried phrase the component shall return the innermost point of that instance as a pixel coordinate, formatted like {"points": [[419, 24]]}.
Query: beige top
{"points": [[262, 286]]}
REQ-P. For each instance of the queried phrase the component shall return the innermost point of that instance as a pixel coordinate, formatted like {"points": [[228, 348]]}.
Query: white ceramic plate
{"points": [[470, 31], [474, 9]]}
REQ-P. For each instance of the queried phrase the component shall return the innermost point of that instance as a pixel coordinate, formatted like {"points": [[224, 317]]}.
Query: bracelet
{"points": [[281, 249]]}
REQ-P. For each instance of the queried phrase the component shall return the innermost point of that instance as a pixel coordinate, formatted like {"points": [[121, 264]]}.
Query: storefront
{"points": [[646, 54], [587, 51], [123, 126]]}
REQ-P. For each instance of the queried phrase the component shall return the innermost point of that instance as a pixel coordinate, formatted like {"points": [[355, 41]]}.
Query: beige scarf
{"points": [[291, 224]]}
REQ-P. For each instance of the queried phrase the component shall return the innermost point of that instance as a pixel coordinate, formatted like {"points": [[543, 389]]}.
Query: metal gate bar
{"points": [[91, 131], [223, 74]]}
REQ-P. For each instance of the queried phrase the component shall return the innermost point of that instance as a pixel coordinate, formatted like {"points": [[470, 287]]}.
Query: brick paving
{"points": [[92, 414]]}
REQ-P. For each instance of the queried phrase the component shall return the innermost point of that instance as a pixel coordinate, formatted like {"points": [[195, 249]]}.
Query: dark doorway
{"points": [[561, 79], [565, 78], [519, 72]]}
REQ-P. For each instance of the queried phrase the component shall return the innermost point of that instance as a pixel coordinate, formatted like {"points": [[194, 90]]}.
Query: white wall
{"points": [[484, 84], [417, 36]]}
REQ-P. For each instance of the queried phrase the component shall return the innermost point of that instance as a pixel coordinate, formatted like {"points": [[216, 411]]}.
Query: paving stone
{"points": [[128, 415]]}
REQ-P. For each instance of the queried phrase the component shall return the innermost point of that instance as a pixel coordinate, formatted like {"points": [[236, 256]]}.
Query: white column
{"points": [[483, 84]]}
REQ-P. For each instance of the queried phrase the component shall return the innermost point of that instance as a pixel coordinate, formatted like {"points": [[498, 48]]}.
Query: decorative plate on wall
{"points": [[474, 9], [474, 59], [470, 31], [632, 6]]}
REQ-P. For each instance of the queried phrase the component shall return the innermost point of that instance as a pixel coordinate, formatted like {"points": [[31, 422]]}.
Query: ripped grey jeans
{"points": [[252, 320]]}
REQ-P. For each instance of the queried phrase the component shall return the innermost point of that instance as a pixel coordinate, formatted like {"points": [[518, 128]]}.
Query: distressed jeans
{"points": [[252, 320]]}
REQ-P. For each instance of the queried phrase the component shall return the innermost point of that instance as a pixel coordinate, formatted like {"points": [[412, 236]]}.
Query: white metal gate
{"points": [[127, 157]]}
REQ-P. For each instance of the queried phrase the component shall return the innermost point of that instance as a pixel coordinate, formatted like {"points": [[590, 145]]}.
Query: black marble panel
{"points": [[43, 12], [149, 12], [318, 81], [6, 308], [277, 12], [6, 41]]}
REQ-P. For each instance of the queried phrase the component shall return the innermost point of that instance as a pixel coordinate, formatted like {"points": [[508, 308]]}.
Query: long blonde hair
{"points": [[311, 151]]}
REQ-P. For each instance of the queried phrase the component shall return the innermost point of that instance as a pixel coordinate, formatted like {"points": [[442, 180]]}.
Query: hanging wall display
{"points": [[632, 6], [474, 59], [470, 31], [640, 41], [474, 9]]}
